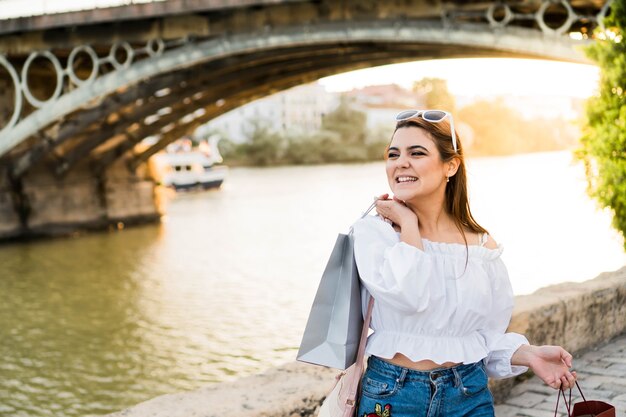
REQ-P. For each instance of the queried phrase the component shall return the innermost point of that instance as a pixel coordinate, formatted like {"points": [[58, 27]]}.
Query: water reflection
{"points": [[222, 288]]}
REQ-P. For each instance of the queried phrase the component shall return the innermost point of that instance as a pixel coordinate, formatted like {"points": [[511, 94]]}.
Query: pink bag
{"points": [[342, 400]]}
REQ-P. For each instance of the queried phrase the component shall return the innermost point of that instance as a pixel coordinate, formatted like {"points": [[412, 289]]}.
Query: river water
{"points": [[223, 286]]}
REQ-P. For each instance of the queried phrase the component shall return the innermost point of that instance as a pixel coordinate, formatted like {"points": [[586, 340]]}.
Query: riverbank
{"points": [[578, 316]]}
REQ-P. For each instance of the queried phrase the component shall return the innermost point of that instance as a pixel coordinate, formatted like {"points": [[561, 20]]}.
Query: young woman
{"points": [[443, 299]]}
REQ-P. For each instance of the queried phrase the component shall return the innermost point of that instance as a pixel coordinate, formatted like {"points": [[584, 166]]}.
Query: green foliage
{"points": [[500, 130], [436, 94], [343, 138], [348, 123], [603, 145], [263, 147]]}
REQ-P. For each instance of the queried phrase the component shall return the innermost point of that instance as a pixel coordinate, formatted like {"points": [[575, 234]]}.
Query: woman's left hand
{"points": [[552, 364]]}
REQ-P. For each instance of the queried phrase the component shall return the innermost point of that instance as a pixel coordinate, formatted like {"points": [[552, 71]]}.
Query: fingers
{"points": [[556, 383], [566, 357], [564, 382], [568, 380]]}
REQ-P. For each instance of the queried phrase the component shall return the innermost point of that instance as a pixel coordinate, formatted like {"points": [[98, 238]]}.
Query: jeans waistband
{"points": [[402, 373]]}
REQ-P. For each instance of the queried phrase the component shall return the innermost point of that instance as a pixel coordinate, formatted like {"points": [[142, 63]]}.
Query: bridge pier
{"points": [[10, 224], [40, 204]]}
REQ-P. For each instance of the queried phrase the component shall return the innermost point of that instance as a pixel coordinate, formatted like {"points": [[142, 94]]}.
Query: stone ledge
{"points": [[577, 316], [294, 389]]}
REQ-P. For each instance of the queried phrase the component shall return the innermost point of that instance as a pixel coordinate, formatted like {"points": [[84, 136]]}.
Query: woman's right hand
{"points": [[394, 210]]}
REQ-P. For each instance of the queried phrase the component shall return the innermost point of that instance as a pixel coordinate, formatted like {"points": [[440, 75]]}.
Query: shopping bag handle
{"points": [[568, 404], [370, 208]]}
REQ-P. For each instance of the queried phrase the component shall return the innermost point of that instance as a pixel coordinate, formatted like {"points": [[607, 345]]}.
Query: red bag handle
{"points": [[568, 404]]}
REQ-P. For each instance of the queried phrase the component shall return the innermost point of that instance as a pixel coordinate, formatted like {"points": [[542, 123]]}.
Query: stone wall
{"points": [[577, 316]]}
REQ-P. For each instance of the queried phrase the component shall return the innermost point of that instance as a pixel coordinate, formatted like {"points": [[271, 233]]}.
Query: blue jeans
{"points": [[388, 390]]}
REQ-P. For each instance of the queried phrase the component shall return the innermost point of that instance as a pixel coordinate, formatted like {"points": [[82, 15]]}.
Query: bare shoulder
{"points": [[491, 243]]}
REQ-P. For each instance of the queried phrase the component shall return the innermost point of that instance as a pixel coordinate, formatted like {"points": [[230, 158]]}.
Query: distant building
{"points": [[299, 109], [384, 96], [382, 103]]}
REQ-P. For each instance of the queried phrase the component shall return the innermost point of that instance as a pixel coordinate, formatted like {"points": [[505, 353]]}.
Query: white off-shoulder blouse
{"points": [[431, 305]]}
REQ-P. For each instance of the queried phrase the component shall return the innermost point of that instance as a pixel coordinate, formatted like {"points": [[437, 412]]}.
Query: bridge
{"points": [[88, 96]]}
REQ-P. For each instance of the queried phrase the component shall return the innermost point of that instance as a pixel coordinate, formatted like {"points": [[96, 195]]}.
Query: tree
{"points": [[603, 144], [505, 131], [436, 94], [264, 147], [349, 123]]}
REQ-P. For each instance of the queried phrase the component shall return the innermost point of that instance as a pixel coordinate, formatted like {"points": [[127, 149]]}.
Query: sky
{"points": [[481, 77]]}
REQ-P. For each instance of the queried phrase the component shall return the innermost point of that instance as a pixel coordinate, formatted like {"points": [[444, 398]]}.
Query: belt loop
{"points": [[457, 377], [402, 377]]}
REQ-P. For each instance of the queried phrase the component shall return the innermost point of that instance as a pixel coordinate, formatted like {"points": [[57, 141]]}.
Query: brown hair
{"points": [[456, 199]]}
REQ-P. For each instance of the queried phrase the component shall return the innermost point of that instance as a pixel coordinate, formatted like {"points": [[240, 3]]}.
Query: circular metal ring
{"points": [[57, 67], [70, 64], [158, 43], [17, 101], [571, 17], [130, 54], [508, 15]]}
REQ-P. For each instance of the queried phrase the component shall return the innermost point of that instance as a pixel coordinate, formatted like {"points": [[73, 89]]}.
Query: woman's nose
{"points": [[402, 161]]}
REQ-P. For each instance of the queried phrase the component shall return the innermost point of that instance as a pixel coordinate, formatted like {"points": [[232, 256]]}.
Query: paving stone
{"points": [[591, 381], [614, 346], [595, 393], [596, 370], [620, 343], [614, 359], [504, 410], [579, 363], [618, 367], [527, 399], [621, 397], [550, 405], [532, 412], [536, 386], [607, 382], [600, 363], [595, 355]]}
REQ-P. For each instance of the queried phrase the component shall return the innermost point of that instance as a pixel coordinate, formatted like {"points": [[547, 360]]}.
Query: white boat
{"points": [[192, 169]]}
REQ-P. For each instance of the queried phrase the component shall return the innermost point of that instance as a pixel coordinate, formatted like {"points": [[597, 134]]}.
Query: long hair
{"points": [[456, 200]]}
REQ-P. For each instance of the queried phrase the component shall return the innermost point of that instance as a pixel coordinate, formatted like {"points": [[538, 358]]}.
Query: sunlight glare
{"points": [[480, 77]]}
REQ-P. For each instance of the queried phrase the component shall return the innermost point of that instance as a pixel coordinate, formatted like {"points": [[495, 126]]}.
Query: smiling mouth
{"points": [[404, 179]]}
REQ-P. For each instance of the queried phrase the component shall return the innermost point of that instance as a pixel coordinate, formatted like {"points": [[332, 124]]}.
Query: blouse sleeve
{"points": [[501, 345], [395, 273]]}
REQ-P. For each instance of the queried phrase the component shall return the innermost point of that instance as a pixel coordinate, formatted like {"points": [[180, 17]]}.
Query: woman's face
{"points": [[414, 166]]}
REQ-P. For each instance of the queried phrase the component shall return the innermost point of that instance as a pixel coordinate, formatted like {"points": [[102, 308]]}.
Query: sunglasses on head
{"points": [[433, 116]]}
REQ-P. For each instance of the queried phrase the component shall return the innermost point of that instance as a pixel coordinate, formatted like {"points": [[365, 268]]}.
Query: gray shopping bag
{"points": [[331, 336], [333, 330]]}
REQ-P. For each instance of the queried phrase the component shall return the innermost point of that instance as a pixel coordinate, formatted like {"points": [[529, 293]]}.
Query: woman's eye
{"points": [[418, 153], [392, 155]]}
